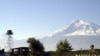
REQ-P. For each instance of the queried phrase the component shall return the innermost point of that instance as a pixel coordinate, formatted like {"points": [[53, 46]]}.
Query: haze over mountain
{"points": [[16, 43], [80, 34]]}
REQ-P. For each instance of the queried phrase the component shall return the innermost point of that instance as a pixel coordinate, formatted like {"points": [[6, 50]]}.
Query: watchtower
{"points": [[9, 46]]}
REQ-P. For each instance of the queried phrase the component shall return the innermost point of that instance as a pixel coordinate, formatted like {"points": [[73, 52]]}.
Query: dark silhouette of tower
{"points": [[9, 46], [92, 46]]}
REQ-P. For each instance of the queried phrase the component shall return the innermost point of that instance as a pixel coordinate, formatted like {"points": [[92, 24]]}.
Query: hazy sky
{"points": [[32, 18]]}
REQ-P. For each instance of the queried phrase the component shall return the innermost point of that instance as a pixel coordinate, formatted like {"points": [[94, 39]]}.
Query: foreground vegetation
{"points": [[36, 48]]}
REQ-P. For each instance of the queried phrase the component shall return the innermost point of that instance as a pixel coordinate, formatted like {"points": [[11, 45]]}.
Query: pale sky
{"points": [[35, 18]]}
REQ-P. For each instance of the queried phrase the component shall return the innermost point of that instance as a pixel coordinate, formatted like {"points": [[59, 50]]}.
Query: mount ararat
{"points": [[80, 34]]}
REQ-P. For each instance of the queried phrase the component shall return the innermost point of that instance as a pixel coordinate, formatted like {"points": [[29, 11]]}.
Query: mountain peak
{"points": [[82, 27], [78, 28], [80, 22]]}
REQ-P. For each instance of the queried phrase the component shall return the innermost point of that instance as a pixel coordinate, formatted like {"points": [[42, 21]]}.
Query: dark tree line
{"points": [[62, 48], [36, 48]]}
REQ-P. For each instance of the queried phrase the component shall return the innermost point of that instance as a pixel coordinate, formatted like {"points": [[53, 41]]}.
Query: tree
{"points": [[35, 46], [62, 48]]}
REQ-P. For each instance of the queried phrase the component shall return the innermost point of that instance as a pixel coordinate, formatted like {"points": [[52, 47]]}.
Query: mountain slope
{"points": [[81, 27], [78, 27], [78, 33]]}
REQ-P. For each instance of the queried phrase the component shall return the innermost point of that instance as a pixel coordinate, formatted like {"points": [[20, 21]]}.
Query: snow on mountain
{"points": [[78, 33], [79, 27]]}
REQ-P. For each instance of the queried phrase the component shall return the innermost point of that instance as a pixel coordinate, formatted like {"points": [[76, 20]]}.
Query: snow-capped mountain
{"points": [[78, 33], [77, 28], [81, 27]]}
